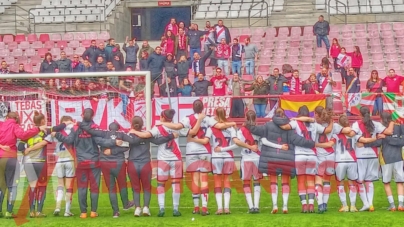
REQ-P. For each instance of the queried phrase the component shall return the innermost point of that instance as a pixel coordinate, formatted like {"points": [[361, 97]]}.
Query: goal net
{"points": [[114, 97]]}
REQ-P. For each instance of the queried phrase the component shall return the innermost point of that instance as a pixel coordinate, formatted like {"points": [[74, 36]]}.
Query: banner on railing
{"points": [[354, 101], [26, 109]]}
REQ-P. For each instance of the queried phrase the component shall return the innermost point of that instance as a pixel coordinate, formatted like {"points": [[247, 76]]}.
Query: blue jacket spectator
{"points": [[131, 53], [108, 49], [91, 53], [155, 63], [185, 89], [101, 52]]}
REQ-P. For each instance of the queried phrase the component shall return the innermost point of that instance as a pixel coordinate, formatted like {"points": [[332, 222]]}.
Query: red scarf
{"points": [[305, 133], [75, 64], [346, 145], [182, 42], [223, 51], [221, 139], [249, 139], [200, 134], [366, 134], [295, 87], [172, 144], [313, 88]]}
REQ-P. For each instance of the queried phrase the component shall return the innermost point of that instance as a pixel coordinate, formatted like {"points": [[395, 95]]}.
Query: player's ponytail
{"points": [[39, 118], [168, 114], [304, 112], [250, 117], [137, 123], [386, 118], [14, 115], [221, 115], [365, 113]]}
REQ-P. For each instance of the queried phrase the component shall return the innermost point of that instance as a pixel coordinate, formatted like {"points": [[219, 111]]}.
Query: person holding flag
{"points": [[325, 85], [343, 62]]}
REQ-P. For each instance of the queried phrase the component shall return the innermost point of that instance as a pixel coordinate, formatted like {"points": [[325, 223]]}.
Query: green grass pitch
{"points": [[238, 217]]}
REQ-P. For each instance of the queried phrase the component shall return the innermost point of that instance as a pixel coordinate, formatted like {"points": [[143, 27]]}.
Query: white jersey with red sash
{"points": [[344, 148], [324, 138], [309, 132], [221, 33], [190, 122], [169, 151], [360, 130], [63, 152], [324, 86], [221, 138], [247, 137]]}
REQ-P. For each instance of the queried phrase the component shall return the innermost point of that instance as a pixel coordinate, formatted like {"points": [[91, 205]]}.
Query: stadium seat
{"points": [[55, 51], [61, 44], [30, 52], [36, 45], [24, 45], [69, 51], [263, 69], [49, 44], [27, 67], [10, 60], [73, 44], [16, 53], [8, 39], [79, 50], [104, 35], [79, 36], [91, 36], [86, 43], [4, 53], [42, 52], [2, 45], [19, 38], [55, 37], [32, 38], [44, 37], [68, 37], [12, 46]]}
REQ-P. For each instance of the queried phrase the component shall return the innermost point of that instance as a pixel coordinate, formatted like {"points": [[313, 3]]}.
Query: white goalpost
{"points": [[16, 87]]}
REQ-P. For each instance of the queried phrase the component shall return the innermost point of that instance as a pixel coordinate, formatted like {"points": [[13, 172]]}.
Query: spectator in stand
{"points": [[223, 55], [91, 52], [64, 64], [109, 48], [237, 88], [172, 26], [78, 88], [221, 32], [236, 61], [182, 68], [311, 85], [375, 85], [321, 29], [145, 48], [170, 67], [64, 88], [117, 58], [352, 82], [251, 55], [207, 26], [155, 63], [126, 84], [194, 37], [356, 60], [198, 63], [219, 83], [100, 65], [185, 88], [102, 52], [208, 38], [325, 63], [87, 66], [260, 87], [139, 88], [48, 65], [275, 82], [393, 82], [181, 44], [21, 69], [295, 84], [51, 86], [77, 66], [325, 84], [4, 68], [131, 52], [181, 25], [169, 43], [334, 52], [343, 62], [172, 88], [110, 67], [143, 66], [200, 87]]}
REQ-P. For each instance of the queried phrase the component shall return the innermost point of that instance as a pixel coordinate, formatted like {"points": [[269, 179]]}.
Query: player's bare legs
{"points": [[390, 198], [362, 195], [274, 193], [218, 193], [204, 192], [195, 191], [285, 192], [311, 192], [326, 190], [226, 193], [319, 194]]}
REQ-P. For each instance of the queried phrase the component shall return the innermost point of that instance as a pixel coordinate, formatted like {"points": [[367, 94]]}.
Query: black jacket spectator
{"points": [[100, 67], [155, 63], [91, 54], [77, 67], [103, 53], [227, 34], [182, 69], [48, 67], [88, 69], [170, 68], [143, 65], [131, 53], [117, 60], [172, 89], [64, 65], [194, 38], [200, 87]]}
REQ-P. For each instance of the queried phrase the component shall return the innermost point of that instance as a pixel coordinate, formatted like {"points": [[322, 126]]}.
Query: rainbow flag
{"points": [[291, 103]]}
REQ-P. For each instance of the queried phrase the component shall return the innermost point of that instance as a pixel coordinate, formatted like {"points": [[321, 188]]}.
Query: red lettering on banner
{"points": [[211, 103], [164, 3], [26, 109]]}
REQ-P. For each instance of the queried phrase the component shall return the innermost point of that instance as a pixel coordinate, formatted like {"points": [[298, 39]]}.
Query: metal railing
{"points": [[19, 20], [267, 13], [344, 13]]}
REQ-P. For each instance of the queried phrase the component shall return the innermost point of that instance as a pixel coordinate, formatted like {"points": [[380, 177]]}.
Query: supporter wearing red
{"points": [[200, 87], [275, 82], [185, 88], [237, 104], [10, 131], [108, 49], [100, 65], [4, 68], [64, 64], [222, 54], [170, 67], [295, 84], [334, 52], [260, 87], [181, 25], [48, 65], [172, 26], [194, 41], [171, 89], [91, 53], [117, 58], [393, 82], [311, 85], [77, 66], [357, 60], [375, 85], [145, 48], [143, 66], [87, 66], [155, 63], [101, 52], [181, 44], [182, 68], [169, 43], [221, 32], [131, 52], [219, 83], [325, 84]]}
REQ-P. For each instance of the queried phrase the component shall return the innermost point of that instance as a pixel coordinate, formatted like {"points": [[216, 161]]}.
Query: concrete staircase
{"points": [[15, 19]]}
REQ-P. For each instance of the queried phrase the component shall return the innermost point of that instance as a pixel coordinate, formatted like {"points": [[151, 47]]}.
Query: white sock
{"points": [[285, 194], [370, 192], [195, 198], [274, 194], [205, 197], [176, 195], [219, 198], [68, 200], [342, 194], [161, 195], [227, 194], [326, 191], [59, 196], [352, 194], [390, 199], [362, 194], [319, 194], [248, 197], [257, 195], [401, 198]]}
